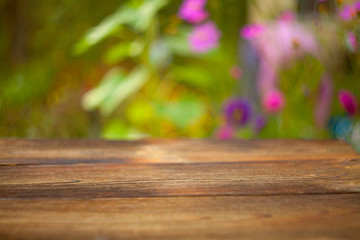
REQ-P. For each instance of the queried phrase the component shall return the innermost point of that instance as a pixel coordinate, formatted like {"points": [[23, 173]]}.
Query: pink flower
{"points": [[225, 132], [351, 41], [204, 37], [294, 41], [357, 6], [347, 13], [273, 101], [348, 101], [267, 75], [277, 46], [287, 16], [252, 31], [323, 103], [193, 11], [235, 72]]}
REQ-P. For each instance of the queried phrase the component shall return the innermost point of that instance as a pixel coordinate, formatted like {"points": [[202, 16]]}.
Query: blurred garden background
{"points": [[224, 69]]}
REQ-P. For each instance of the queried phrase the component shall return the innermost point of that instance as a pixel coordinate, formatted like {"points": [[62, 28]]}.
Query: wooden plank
{"points": [[193, 189], [230, 217], [145, 180], [169, 151]]}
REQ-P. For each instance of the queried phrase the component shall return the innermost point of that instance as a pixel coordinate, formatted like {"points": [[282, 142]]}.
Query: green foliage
{"points": [[136, 14], [300, 83], [23, 87], [123, 50], [114, 88], [182, 113], [161, 96], [177, 42], [140, 112], [194, 76], [126, 71]]}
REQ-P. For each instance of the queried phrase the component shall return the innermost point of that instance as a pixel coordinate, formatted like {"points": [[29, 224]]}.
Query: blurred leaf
{"points": [[194, 76], [117, 53], [182, 113], [108, 26], [136, 47], [97, 96], [113, 89], [124, 88], [139, 16], [124, 50], [178, 43], [160, 54], [146, 13]]}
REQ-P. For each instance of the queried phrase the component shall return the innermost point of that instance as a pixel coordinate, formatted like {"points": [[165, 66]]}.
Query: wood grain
{"points": [[179, 188], [270, 217], [169, 151], [139, 180]]}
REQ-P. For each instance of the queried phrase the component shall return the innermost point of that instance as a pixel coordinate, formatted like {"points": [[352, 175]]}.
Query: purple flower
{"points": [[237, 111], [347, 13], [225, 132], [348, 101], [193, 11], [204, 37], [252, 31]]}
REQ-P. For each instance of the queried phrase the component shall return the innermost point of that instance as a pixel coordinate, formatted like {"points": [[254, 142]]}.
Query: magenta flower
{"points": [[351, 41], [193, 11], [347, 13], [252, 31], [348, 101], [357, 6], [204, 37], [225, 132], [237, 111], [273, 101]]}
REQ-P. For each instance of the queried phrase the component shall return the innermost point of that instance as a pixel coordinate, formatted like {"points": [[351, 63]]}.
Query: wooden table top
{"points": [[192, 189]]}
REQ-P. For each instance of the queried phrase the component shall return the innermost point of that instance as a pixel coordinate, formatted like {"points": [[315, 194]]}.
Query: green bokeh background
{"points": [[123, 70]]}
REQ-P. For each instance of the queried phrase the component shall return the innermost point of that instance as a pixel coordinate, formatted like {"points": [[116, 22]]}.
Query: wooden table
{"points": [[193, 189]]}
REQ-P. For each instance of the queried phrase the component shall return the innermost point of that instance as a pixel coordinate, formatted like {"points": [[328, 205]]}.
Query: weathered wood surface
{"points": [[237, 217], [198, 189], [169, 151]]}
